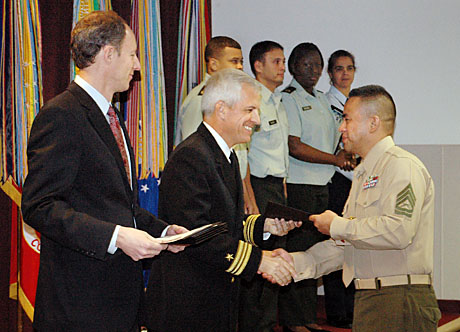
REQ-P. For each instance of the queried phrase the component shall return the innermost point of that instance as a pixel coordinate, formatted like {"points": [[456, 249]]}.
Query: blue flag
{"points": [[148, 194], [148, 199]]}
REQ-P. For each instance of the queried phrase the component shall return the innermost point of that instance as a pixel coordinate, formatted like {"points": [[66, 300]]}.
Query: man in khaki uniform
{"points": [[387, 225]]}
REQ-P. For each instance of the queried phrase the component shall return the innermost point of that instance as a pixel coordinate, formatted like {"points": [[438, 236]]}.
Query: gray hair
{"points": [[225, 85]]}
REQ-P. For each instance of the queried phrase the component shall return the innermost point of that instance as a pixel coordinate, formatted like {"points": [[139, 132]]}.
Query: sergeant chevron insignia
{"points": [[405, 201]]}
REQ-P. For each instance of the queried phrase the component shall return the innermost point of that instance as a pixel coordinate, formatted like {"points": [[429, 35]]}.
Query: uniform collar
{"points": [[373, 156], [338, 95], [302, 91], [219, 140], [267, 95]]}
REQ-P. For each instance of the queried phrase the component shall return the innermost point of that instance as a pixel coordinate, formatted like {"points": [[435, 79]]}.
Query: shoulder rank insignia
{"points": [[306, 108], [289, 89], [272, 122], [371, 182], [405, 201], [336, 109], [201, 91], [229, 257]]}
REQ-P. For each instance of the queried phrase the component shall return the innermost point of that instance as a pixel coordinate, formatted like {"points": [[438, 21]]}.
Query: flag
{"points": [[146, 119], [148, 199], [194, 34], [25, 255], [148, 193], [21, 87]]}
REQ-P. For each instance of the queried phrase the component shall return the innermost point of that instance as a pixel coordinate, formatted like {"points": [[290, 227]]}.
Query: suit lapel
{"points": [[224, 168], [102, 127]]}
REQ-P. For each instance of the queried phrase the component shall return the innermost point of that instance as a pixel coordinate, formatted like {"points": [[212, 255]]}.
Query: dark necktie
{"points": [[233, 159], [117, 133], [236, 175], [234, 162]]}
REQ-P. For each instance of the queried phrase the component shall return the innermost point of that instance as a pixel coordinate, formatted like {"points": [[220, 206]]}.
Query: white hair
{"points": [[225, 85]]}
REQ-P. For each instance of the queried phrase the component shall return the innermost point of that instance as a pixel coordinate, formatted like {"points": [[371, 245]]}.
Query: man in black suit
{"points": [[81, 192], [199, 289]]}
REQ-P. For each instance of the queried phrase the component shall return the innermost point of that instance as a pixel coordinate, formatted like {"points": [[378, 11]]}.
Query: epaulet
{"points": [[335, 108], [320, 91], [202, 90], [289, 89]]}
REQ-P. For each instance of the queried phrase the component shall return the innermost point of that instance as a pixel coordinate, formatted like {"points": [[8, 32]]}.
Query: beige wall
{"points": [[443, 163]]}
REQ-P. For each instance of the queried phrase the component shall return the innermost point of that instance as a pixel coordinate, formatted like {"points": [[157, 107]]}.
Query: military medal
{"points": [[371, 182]]}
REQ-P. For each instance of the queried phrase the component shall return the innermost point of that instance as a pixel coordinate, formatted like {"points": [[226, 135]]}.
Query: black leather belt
{"points": [[270, 178]]}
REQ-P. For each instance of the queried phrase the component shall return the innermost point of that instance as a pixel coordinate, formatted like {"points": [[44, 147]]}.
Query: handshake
{"points": [[277, 266]]}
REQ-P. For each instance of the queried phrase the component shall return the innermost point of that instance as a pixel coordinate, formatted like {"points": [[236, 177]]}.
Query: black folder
{"points": [[275, 210]]}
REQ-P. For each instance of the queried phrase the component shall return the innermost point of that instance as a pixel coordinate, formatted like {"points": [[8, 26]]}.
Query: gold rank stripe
{"points": [[248, 229], [242, 257]]}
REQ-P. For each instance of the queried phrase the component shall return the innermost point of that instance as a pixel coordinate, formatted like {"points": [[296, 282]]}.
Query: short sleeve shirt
{"points": [[311, 119], [268, 151]]}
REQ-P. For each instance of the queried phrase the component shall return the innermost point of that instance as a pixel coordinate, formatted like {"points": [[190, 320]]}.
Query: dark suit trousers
{"points": [[259, 298], [297, 301], [338, 299]]}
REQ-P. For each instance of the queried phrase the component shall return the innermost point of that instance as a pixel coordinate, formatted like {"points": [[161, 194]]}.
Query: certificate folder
{"points": [[275, 210], [196, 235]]}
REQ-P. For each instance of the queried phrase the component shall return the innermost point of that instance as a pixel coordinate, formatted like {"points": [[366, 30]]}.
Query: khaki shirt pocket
{"points": [[368, 202]]}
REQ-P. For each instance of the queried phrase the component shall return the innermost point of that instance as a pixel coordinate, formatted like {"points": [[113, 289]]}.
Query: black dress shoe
{"points": [[342, 323]]}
